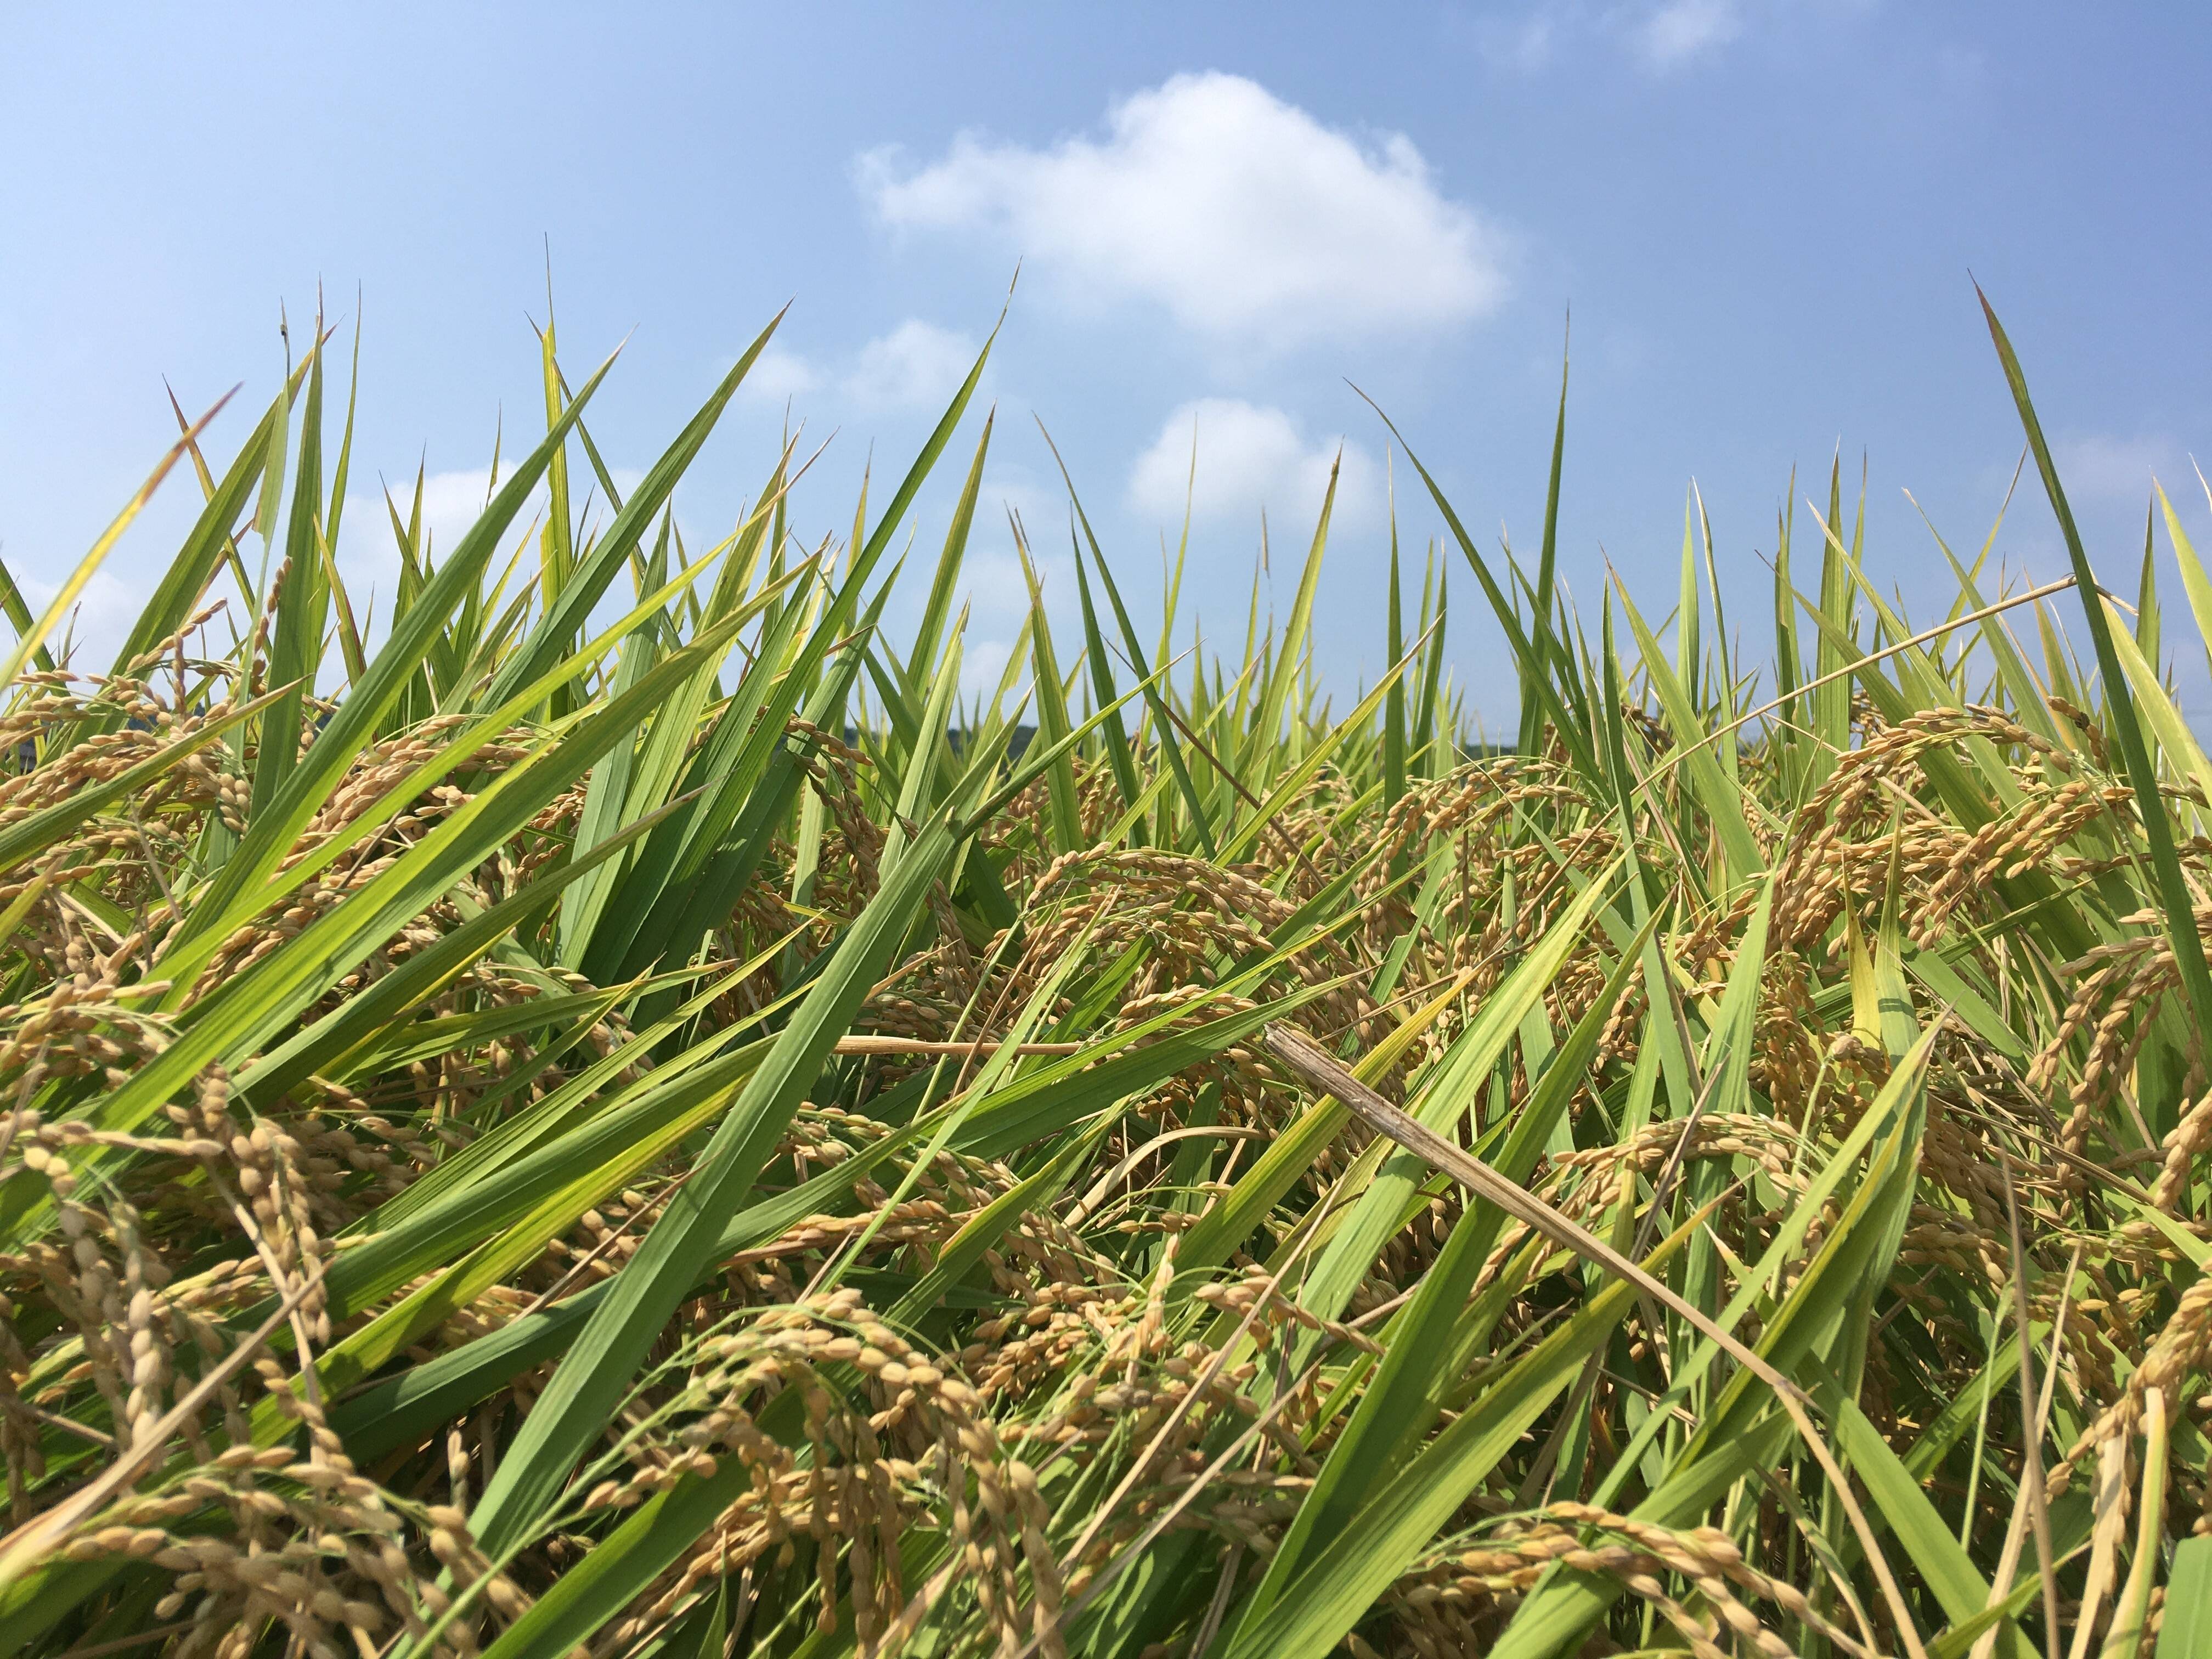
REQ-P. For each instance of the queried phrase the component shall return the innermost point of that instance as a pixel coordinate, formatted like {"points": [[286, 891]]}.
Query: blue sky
{"points": [[1762, 214]]}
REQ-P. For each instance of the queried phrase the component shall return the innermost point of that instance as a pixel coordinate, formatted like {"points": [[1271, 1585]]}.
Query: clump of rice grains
{"points": [[345, 1091]]}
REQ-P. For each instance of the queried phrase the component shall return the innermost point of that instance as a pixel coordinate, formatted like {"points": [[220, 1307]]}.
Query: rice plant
{"points": [[611, 1112]]}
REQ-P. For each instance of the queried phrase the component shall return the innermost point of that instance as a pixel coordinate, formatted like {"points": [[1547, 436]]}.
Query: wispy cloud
{"points": [[2102, 466], [1525, 44], [1681, 32], [1661, 37], [1241, 215]]}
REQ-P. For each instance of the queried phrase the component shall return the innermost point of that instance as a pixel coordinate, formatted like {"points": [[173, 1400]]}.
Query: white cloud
{"points": [[93, 629], [369, 551], [452, 503], [1043, 509], [1250, 456], [368, 563], [368, 554], [992, 584], [1681, 31], [1242, 214], [777, 374], [2121, 469], [916, 364], [997, 594], [981, 663], [995, 591]]}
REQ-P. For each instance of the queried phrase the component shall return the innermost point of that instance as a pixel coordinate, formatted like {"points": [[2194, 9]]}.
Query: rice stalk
{"points": [[581, 1121]]}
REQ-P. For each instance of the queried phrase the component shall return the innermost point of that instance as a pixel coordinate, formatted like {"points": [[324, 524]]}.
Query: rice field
{"points": [[613, 1111]]}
